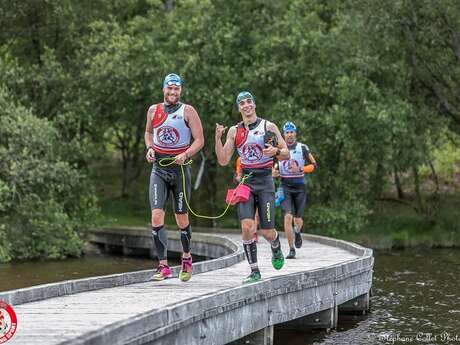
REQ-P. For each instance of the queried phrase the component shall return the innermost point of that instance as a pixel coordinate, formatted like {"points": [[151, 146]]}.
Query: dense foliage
{"points": [[373, 87], [45, 201]]}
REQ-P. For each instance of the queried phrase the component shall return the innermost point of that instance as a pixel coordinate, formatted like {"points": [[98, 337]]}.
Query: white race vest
{"points": [[293, 168], [250, 151], [172, 136]]}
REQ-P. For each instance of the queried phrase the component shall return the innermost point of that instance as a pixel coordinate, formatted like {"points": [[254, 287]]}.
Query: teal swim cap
{"points": [[172, 79], [243, 95]]}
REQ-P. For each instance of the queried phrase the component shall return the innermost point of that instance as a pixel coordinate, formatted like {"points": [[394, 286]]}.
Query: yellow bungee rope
{"points": [[167, 161]]}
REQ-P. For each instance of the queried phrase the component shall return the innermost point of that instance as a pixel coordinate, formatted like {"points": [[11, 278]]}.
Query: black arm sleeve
{"points": [[305, 152]]}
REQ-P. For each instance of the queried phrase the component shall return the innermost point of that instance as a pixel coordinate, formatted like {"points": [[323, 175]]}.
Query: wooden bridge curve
{"points": [[212, 308]]}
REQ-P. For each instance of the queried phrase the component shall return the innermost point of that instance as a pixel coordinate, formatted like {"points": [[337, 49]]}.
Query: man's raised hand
{"points": [[220, 129]]}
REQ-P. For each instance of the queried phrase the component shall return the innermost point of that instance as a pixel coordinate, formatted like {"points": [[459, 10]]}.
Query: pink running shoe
{"points": [[186, 271], [163, 272]]}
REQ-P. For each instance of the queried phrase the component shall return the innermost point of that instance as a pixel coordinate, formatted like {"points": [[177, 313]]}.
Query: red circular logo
{"points": [[168, 136], [8, 322], [252, 152]]}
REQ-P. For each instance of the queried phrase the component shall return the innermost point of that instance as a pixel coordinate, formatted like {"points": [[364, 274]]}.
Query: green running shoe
{"points": [[277, 258], [252, 278], [186, 272]]}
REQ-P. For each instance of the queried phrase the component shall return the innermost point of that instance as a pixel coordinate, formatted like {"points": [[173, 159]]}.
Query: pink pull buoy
{"points": [[240, 194]]}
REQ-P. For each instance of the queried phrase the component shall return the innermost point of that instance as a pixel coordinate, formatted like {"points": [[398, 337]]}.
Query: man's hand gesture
{"points": [[219, 131]]}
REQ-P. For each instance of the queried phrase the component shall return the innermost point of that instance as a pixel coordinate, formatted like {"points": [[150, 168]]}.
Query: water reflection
{"points": [[416, 301], [22, 274]]}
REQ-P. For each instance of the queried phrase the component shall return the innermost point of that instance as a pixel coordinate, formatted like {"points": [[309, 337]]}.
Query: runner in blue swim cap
{"points": [[289, 127], [292, 173]]}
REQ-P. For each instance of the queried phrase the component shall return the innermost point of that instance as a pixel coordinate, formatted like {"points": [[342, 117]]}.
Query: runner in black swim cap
{"points": [[249, 139], [171, 126]]}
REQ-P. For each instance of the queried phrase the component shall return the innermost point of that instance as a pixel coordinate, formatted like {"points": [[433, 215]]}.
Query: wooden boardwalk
{"points": [[118, 315]]}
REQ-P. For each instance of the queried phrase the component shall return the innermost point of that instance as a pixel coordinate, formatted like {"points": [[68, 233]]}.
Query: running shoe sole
{"points": [[160, 277]]}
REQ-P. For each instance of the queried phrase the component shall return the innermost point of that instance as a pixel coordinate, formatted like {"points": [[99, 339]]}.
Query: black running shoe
{"points": [[298, 239], [291, 254]]}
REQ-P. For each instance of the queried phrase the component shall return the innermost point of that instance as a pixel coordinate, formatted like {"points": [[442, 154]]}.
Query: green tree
{"points": [[45, 202]]}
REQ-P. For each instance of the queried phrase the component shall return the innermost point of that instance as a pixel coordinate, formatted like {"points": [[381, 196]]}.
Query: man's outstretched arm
{"points": [[224, 152]]}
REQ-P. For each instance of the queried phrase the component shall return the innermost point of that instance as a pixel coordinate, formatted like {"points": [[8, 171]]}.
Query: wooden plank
{"points": [[74, 315]]}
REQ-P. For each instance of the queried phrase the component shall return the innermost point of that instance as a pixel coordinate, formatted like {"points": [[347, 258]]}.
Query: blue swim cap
{"points": [[243, 95], [289, 127], [172, 79]]}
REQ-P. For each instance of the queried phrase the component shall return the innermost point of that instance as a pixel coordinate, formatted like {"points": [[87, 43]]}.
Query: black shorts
{"points": [[294, 200], [262, 198], [164, 181]]}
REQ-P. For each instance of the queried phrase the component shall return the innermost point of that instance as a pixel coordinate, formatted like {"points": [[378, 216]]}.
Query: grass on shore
{"points": [[390, 226], [396, 226]]}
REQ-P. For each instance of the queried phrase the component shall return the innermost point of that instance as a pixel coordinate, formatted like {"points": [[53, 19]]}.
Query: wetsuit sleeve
{"points": [[309, 159], [305, 152]]}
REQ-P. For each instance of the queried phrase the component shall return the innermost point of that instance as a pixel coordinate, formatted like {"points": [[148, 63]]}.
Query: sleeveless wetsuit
{"points": [[171, 136], [292, 180], [249, 145]]}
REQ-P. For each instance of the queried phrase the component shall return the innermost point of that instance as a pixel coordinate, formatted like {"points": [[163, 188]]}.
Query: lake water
{"points": [[416, 301]]}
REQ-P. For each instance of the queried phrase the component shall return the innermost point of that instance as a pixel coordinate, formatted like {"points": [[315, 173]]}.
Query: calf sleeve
{"points": [[185, 238], [250, 249], [160, 239]]}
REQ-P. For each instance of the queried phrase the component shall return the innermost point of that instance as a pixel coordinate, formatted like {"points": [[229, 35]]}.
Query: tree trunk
{"points": [[137, 149], [418, 194], [435, 176], [377, 182], [399, 189], [434, 201], [130, 142], [124, 172], [168, 5]]}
